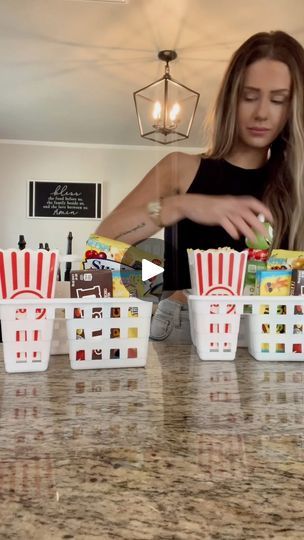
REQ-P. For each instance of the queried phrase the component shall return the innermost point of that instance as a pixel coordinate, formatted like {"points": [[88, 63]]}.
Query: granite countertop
{"points": [[182, 449]]}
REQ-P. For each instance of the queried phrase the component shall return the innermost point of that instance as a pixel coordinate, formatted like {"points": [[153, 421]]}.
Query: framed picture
{"points": [[70, 200]]}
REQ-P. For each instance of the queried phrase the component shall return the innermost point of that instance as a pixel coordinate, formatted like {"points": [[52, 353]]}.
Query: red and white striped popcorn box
{"points": [[217, 272], [28, 273]]}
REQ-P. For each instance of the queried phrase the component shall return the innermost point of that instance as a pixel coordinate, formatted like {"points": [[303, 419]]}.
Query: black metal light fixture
{"points": [[165, 108]]}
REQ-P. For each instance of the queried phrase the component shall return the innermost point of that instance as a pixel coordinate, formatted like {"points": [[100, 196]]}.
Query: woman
{"points": [[255, 165]]}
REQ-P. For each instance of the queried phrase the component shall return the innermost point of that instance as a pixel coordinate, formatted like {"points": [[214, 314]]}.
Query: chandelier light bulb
{"points": [[157, 111], [174, 112]]}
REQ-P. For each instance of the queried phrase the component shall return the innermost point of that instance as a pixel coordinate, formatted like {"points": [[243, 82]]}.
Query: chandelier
{"points": [[165, 108]]}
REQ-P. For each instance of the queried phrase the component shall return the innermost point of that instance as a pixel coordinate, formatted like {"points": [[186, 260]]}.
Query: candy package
{"points": [[281, 259]]}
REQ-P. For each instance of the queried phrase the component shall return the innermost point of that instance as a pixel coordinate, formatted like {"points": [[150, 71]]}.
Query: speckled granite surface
{"points": [[182, 450]]}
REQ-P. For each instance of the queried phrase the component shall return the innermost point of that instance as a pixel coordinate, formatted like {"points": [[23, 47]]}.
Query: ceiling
{"points": [[69, 67]]}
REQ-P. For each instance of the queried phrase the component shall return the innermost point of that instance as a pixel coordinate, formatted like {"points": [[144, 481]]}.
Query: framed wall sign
{"points": [[72, 200]]}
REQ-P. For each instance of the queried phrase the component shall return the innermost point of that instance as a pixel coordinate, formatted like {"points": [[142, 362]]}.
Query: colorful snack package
{"points": [[297, 287], [95, 283], [106, 253], [257, 260], [100, 247], [128, 284], [285, 259], [273, 282], [297, 283]]}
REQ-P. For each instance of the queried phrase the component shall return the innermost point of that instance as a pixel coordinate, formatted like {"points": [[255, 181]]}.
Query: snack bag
{"points": [[106, 249]]}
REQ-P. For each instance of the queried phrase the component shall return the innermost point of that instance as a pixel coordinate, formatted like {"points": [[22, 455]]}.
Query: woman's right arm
{"points": [[130, 221], [168, 181]]}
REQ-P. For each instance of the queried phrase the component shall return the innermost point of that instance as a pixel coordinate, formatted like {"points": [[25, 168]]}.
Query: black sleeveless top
{"points": [[214, 177]]}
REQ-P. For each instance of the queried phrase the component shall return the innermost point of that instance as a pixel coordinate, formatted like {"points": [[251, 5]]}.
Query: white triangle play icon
{"points": [[149, 270]]}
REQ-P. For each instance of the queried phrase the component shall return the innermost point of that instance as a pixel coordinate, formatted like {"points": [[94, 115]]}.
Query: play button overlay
{"points": [[150, 270], [143, 269]]}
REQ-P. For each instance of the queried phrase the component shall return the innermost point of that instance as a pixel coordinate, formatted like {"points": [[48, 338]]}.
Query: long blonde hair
{"points": [[284, 194]]}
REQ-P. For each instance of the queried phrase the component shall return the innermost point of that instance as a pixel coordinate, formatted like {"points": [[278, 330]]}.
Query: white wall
{"points": [[119, 168]]}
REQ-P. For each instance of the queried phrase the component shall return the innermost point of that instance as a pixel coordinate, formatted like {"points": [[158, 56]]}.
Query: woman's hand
{"points": [[237, 215]]}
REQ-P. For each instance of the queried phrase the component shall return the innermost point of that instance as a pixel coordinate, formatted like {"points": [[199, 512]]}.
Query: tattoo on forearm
{"points": [[139, 226]]}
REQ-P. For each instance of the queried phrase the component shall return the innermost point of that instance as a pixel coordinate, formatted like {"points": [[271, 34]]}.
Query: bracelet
{"points": [[154, 209]]}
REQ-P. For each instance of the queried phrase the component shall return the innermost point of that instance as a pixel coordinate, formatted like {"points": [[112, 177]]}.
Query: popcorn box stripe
{"points": [[243, 262], [200, 274], [2, 276], [230, 271], [14, 270], [27, 269], [210, 268], [51, 282], [220, 268], [39, 270]]}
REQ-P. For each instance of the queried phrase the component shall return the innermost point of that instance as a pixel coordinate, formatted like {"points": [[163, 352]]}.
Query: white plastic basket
{"points": [[275, 326], [27, 329], [214, 326], [109, 333], [276, 330]]}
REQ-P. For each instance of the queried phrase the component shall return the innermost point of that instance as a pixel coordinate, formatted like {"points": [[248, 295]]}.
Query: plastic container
{"points": [[276, 330], [108, 333], [275, 326], [214, 323], [102, 332], [27, 329], [27, 333]]}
